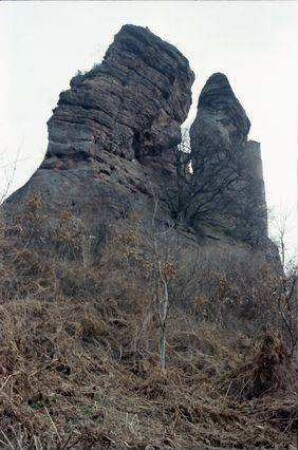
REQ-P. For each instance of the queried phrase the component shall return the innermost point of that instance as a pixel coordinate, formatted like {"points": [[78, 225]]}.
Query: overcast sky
{"points": [[43, 44]]}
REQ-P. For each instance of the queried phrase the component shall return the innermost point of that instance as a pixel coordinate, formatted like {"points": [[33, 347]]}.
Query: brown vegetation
{"points": [[80, 356]]}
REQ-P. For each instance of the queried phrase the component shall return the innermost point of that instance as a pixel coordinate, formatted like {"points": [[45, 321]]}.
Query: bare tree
{"points": [[9, 180], [281, 225], [215, 187], [161, 243]]}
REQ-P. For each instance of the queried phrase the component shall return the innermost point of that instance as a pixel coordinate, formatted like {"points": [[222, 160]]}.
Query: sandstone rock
{"points": [[131, 105], [115, 129]]}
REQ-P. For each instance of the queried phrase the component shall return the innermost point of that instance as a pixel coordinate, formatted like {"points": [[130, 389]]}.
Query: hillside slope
{"points": [[142, 304]]}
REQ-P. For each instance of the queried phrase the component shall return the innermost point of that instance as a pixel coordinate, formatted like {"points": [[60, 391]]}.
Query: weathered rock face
{"points": [[131, 105], [227, 167], [115, 129], [221, 122]]}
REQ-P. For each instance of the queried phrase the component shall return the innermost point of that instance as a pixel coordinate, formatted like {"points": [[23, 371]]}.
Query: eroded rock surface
{"points": [[131, 105], [113, 135]]}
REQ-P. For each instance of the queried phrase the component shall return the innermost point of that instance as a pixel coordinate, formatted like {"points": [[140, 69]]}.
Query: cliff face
{"points": [[131, 105], [113, 145], [227, 167]]}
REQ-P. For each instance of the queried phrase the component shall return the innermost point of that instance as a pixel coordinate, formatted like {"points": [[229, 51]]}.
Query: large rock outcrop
{"points": [[112, 137], [227, 167], [131, 105], [113, 150]]}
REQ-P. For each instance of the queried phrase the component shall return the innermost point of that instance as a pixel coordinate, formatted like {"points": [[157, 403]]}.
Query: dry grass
{"points": [[72, 377], [80, 367]]}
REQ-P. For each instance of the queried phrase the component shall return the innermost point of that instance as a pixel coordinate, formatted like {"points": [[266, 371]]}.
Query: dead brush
{"points": [[64, 385], [268, 370], [79, 366], [41, 365], [280, 412]]}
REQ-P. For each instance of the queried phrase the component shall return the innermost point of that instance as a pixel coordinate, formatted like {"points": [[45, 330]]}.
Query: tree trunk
{"points": [[164, 315]]}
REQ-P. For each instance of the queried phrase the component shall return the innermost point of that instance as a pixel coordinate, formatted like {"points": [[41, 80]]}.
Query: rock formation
{"points": [[131, 105], [113, 145], [227, 168], [112, 135]]}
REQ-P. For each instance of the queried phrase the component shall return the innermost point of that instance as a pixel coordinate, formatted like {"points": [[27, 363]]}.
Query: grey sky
{"points": [[254, 43]]}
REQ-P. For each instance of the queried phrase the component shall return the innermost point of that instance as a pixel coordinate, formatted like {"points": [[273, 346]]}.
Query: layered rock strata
{"points": [[131, 105], [113, 135]]}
